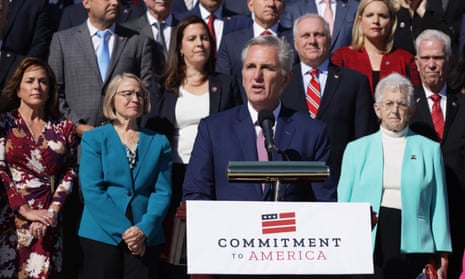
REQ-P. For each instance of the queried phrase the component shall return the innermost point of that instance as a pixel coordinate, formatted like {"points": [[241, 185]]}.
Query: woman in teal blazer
{"points": [[125, 175], [401, 174]]}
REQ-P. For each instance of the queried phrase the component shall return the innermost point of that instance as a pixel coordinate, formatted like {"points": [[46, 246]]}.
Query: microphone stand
{"points": [[270, 149]]}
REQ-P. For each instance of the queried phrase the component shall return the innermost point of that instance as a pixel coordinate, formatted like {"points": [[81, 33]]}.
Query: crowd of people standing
{"points": [[114, 112]]}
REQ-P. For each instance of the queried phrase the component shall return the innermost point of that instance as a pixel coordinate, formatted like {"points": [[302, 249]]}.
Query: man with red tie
{"points": [[338, 96], [439, 115]]}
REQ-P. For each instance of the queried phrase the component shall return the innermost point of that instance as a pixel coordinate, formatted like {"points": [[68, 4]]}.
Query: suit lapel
{"points": [[85, 40], [284, 131], [422, 108], [118, 47], [214, 93], [145, 27], [142, 151], [451, 110], [15, 7], [334, 77], [6, 60], [340, 15], [247, 140]]}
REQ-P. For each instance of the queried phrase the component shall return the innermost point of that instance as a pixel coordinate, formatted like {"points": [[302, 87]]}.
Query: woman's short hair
{"points": [[12, 87], [109, 100], [285, 53], [358, 38], [395, 80]]}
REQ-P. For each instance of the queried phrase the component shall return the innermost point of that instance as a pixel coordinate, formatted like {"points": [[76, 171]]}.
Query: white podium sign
{"points": [[225, 237]]}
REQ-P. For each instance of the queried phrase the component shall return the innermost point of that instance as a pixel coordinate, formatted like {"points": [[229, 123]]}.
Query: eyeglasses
{"points": [[389, 105], [128, 94]]}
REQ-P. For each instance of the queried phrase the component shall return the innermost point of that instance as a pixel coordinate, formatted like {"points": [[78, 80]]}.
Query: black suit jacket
{"points": [[8, 63], [27, 30], [452, 15], [224, 94], [346, 107], [453, 151]]}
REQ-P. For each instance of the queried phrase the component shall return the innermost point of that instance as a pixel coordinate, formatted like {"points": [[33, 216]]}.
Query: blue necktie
{"points": [[103, 54]]}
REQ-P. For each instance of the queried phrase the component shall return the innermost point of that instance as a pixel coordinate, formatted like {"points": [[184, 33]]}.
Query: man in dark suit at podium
{"points": [[232, 135]]}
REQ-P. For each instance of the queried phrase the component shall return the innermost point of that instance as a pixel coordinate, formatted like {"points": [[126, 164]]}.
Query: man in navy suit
{"points": [[266, 15], [231, 135], [343, 17], [225, 20], [346, 103]]}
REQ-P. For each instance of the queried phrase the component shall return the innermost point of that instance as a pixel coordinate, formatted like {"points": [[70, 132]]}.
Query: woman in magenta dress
{"points": [[37, 166]]}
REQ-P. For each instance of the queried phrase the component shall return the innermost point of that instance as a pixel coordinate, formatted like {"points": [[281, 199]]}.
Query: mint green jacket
{"points": [[424, 224]]}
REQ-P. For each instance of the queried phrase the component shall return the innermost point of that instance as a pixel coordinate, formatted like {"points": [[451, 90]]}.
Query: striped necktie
{"points": [[313, 95]]}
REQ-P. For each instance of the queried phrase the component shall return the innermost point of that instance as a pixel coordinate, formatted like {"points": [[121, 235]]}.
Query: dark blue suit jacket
{"points": [[346, 107], [27, 30], [232, 20], [230, 136], [344, 19], [224, 94]]}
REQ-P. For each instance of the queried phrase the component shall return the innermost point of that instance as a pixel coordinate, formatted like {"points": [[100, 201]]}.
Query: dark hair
{"points": [[12, 87], [175, 70]]}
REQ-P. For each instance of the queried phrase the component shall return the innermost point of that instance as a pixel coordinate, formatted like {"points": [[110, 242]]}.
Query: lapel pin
{"points": [[454, 104], [418, 100], [214, 89], [413, 157], [336, 76]]}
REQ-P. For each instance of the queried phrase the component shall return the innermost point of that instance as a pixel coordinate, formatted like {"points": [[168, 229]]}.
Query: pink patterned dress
{"points": [[39, 173]]}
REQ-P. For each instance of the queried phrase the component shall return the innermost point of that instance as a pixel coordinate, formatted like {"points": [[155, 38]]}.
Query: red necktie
{"points": [[437, 116], [313, 94], [211, 29], [266, 32]]}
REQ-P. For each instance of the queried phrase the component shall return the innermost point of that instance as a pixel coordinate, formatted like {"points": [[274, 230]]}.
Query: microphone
{"points": [[266, 121]]}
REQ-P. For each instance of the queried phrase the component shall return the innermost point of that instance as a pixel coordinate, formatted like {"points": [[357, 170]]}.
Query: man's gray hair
{"points": [[285, 53], [430, 34], [395, 80], [310, 15]]}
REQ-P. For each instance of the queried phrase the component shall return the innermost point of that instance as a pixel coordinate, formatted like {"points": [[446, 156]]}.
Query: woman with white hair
{"points": [[401, 174]]}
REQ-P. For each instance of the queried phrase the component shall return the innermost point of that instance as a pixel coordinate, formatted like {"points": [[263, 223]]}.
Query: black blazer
{"points": [[8, 63], [224, 94], [27, 30], [346, 107]]}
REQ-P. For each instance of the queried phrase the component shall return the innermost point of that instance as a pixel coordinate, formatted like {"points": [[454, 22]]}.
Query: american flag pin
{"points": [[413, 157], [214, 89]]}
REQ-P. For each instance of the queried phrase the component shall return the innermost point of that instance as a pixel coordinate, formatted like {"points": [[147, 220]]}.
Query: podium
{"points": [[277, 172]]}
